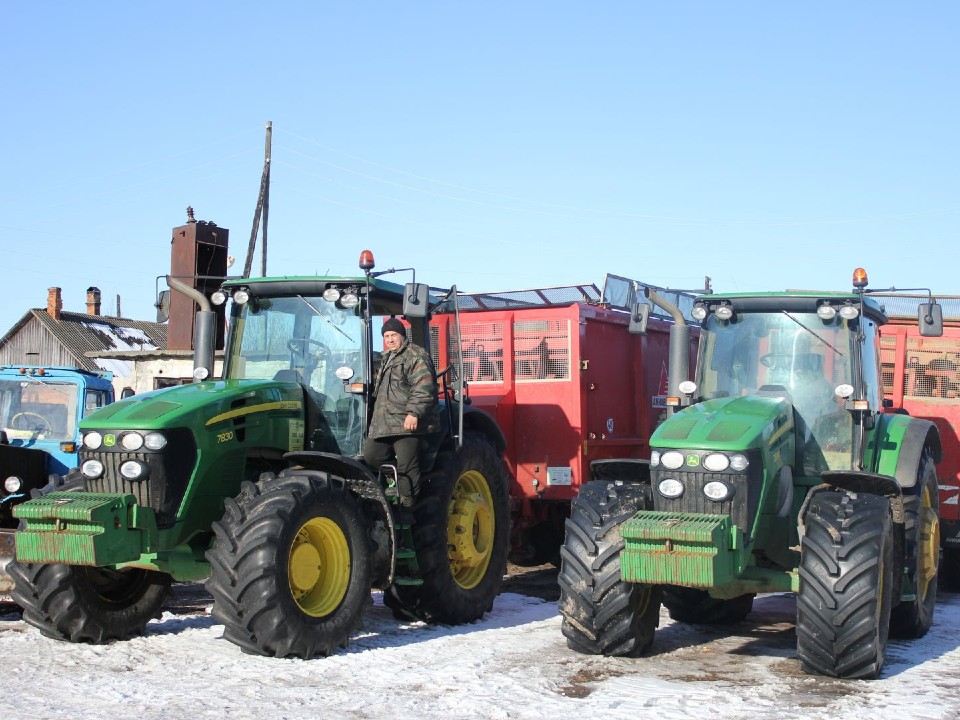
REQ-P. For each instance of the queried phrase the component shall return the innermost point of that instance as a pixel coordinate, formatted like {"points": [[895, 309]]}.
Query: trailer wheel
{"points": [[691, 605], [461, 532], [912, 618], [290, 566], [86, 604], [601, 613], [846, 585]]}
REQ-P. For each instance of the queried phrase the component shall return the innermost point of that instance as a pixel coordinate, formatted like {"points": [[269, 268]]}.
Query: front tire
{"points": [[87, 604], [290, 566], [912, 618], [603, 614], [461, 532], [846, 585]]}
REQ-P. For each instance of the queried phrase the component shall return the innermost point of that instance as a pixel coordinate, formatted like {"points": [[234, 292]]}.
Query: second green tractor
{"points": [[779, 472]]}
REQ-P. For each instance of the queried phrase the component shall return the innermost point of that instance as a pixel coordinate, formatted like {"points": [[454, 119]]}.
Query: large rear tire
{"points": [[912, 618], [461, 532], [692, 605], [290, 566], [87, 604], [602, 614], [846, 585]]}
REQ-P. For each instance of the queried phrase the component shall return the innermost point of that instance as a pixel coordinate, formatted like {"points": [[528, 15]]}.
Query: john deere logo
{"points": [[109, 440], [693, 460]]}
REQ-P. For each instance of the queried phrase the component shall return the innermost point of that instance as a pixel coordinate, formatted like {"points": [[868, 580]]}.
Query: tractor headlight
{"points": [[155, 441], [219, 297], [12, 484], [133, 470], [654, 458], [724, 312], [849, 312], [131, 441], [718, 491], [716, 462], [92, 469], [331, 294], [739, 462], [92, 440], [670, 488], [826, 312], [672, 460], [349, 300]]}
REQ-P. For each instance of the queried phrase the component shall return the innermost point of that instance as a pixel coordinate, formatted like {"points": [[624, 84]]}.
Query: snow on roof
{"points": [[119, 368], [121, 337]]}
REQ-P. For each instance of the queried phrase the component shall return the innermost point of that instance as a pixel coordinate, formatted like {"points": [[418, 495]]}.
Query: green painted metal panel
{"points": [[662, 548], [729, 424], [78, 528]]}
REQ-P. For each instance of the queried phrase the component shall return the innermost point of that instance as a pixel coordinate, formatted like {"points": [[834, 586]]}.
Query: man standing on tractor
{"points": [[405, 408]]}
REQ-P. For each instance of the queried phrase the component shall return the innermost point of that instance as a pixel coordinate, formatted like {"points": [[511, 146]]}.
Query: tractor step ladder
{"points": [[407, 567]]}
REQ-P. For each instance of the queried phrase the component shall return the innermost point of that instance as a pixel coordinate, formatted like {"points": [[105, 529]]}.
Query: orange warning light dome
{"points": [[366, 260]]}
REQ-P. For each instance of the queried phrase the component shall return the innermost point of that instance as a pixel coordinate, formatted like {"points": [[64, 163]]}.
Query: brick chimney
{"points": [[93, 301], [54, 303]]}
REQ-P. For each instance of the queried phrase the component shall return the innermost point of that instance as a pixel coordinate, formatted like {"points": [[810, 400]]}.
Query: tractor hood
{"points": [[738, 423], [217, 400]]}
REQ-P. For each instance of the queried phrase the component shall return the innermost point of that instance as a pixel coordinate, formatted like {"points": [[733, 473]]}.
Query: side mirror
{"points": [[930, 319], [127, 392], [638, 319], [416, 300], [163, 306]]}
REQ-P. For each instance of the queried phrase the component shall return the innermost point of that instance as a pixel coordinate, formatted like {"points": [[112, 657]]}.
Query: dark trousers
{"points": [[406, 449]]}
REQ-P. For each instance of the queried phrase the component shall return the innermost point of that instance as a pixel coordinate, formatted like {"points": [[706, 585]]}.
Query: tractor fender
{"points": [[480, 421], [633, 470], [917, 437], [359, 478], [865, 482]]}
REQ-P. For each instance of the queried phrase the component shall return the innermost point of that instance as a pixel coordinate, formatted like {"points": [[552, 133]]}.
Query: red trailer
{"points": [[921, 376], [568, 384]]}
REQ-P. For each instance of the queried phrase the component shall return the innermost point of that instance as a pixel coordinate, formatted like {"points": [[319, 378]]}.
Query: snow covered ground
{"points": [[513, 664]]}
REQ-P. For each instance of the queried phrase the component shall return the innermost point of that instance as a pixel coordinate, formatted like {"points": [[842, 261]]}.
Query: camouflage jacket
{"points": [[405, 384]]}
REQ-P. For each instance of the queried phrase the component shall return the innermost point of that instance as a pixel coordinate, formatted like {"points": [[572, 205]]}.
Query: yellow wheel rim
{"points": [[470, 531], [319, 567], [928, 553]]}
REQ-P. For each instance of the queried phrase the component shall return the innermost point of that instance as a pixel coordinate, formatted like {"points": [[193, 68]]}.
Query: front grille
{"points": [[742, 507], [170, 472]]}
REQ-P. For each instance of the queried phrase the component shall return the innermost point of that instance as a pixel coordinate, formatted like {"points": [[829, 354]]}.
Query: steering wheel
{"points": [[25, 423], [770, 360], [301, 345]]}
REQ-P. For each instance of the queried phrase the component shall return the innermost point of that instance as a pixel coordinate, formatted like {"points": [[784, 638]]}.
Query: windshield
{"points": [[32, 410], [313, 342], [797, 356]]}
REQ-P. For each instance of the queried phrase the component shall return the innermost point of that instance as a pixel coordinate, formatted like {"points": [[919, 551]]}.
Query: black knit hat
{"points": [[393, 325]]}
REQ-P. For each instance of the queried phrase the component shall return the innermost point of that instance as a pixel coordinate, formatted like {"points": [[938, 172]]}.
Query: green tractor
{"points": [[776, 471], [255, 482]]}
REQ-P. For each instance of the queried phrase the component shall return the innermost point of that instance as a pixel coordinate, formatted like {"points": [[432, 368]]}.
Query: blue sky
{"points": [[494, 145]]}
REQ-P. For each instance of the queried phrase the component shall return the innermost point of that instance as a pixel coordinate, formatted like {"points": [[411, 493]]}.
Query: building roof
{"points": [[84, 335]]}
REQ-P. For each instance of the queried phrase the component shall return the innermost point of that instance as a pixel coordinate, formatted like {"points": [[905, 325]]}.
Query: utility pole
{"points": [[263, 208]]}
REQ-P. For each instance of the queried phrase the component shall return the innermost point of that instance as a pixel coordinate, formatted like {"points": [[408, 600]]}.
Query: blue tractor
{"points": [[40, 409]]}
